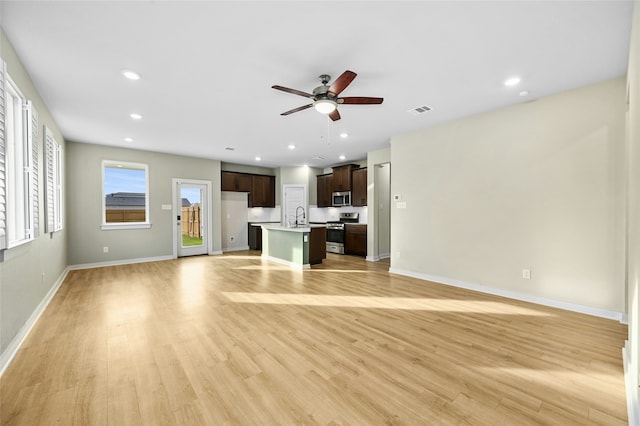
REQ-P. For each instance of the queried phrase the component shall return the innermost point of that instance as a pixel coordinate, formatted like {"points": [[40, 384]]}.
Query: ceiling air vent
{"points": [[419, 110]]}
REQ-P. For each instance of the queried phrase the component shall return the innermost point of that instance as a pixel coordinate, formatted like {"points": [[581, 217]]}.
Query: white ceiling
{"points": [[208, 66]]}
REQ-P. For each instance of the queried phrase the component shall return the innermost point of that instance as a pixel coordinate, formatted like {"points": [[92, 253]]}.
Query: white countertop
{"points": [[300, 228]]}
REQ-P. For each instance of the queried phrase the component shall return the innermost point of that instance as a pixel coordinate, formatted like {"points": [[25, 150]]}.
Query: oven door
{"points": [[335, 235]]}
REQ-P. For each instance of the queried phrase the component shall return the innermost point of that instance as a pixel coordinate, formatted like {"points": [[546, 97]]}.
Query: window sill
{"points": [[117, 226], [17, 249]]}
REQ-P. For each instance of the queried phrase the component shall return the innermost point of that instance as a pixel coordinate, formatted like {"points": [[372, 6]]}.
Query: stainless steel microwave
{"points": [[341, 199]]}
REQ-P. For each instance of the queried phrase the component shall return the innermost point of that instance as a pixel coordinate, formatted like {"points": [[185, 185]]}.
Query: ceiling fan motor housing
{"points": [[321, 92]]}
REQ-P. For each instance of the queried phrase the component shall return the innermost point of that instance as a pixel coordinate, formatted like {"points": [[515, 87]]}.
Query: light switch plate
{"points": [[166, 207], [401, 205]]}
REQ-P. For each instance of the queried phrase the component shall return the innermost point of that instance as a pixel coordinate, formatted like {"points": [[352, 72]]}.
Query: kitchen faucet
{"points": [[303, 215]]}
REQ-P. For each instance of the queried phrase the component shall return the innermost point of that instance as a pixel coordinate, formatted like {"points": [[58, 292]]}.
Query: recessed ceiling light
{"points": [[131, 75], [510, 82], [344, 135], [258, 158], [128, 139], [342, 157], [135, 116], [291, 146], [524, 93]]}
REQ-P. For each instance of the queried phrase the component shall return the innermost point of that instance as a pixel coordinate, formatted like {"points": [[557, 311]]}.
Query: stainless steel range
{"points": [[336, 232]]}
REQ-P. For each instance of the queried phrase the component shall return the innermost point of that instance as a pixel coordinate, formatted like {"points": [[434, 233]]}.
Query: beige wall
{"points": [[31, 270], [84, 203], [234, 221], [633, 212], [538, 185], [374, 240]]}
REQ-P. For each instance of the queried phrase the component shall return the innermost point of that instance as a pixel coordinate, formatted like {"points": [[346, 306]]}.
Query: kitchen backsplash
{"points": [[260, 214], [315, 214], [327, 214]]}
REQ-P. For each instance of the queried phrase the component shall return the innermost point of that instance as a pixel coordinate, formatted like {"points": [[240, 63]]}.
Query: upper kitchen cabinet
{"points": [[324, 185], [263, 191], [261, 188], [342, 177], [238, 182], [359, 187]]}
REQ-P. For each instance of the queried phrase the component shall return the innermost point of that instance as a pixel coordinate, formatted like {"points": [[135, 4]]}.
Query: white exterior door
{"points": [[191, 206]]}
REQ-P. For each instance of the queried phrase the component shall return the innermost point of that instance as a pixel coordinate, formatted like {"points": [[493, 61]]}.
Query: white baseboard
{"points": [[379, 257], [603, 313], [215, 253], [227, 249], [633, 411], [119, 262], [14, 346], [286, 262]]}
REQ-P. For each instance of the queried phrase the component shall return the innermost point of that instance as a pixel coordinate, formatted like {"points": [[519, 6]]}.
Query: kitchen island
{"points": [[299, 247]]}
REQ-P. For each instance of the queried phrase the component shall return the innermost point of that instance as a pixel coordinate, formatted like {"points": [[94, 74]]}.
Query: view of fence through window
{"points": [[191, 215], [125, 194]]}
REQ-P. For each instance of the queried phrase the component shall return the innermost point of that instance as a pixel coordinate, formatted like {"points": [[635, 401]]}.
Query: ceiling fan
{"points": [[325, 98]]}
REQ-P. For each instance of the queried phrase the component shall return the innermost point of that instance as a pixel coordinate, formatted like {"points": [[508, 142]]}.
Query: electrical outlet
{"points": [[105, 249], [526, 274]]}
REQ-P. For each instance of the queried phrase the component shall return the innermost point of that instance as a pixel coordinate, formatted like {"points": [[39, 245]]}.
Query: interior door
{"points": [[191, 205], [295, 196]]}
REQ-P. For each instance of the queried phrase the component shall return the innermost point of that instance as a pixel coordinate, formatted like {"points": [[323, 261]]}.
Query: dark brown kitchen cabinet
{"points": [[317, 245], [263, 191], [238, 182], [359, 187], [342, 177], [255, 237], [355, 239], [324, 190], [261, 188]]}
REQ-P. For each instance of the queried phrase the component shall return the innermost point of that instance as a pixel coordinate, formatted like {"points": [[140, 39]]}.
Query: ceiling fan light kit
{"points": [[325, 106], [325, 98]]}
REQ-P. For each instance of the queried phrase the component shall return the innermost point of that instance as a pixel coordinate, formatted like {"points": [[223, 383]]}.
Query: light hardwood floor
{"points": [[235, 340]]}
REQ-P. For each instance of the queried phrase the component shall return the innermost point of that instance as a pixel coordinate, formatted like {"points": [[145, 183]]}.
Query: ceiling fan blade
{"points": [[360, 100], [335, 115], [294, 91], [291, 111], [342, 82]]}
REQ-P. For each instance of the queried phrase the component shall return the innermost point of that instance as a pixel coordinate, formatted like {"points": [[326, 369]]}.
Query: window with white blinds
{"points": [[54, 175], [32, 119], [18, 165], [3, 181]]}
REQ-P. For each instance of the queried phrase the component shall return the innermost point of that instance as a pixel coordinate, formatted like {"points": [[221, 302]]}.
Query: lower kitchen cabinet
{"points": [[255, 237], [355, 239], [317, 245]]}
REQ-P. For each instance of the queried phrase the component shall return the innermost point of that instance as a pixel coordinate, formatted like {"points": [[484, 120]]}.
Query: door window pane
{"points": [[191, 217]]}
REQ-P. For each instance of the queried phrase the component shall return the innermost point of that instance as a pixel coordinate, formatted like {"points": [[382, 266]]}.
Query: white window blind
{"points": [[3, 179], [32, 119], [19, 204], [54, 176]]}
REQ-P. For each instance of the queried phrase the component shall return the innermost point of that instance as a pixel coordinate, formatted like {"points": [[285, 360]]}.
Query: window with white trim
{"points": [[18, 172], [54, 175], [125, 199]]}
